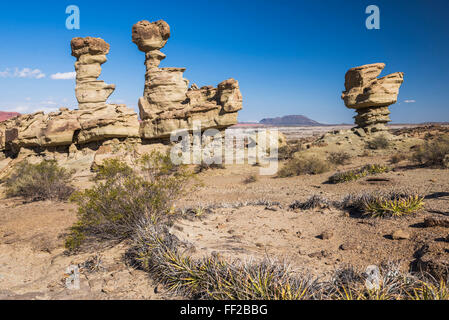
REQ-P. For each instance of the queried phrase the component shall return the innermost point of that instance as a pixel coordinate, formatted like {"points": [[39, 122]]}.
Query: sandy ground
{"points": [[33, 262]]}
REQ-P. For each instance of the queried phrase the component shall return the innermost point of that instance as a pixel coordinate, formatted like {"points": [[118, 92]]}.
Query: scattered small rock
{"points": [[400, 235], [299, 234], [348, 246], [326, 235]]}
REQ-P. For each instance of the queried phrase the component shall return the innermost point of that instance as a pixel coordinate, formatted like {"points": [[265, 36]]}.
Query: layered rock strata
{"points": [[370, 96], [168, 104], [95, 120]]}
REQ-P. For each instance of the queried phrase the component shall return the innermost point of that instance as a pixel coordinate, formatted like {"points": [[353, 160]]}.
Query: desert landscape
{"points": [[94, 207]]}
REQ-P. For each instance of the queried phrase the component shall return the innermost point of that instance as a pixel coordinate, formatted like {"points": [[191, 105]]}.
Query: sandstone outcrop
{"points": [[94, 121], [168, 104], [90, 54], [370, 96]]}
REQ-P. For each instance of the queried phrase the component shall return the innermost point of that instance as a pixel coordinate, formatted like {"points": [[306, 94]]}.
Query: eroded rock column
{"points": [[370, 96], [91, 54], [168, 103]]}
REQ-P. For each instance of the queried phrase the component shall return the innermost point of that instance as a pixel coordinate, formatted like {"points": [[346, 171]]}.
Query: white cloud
{"points": [[24, 73], [409, 101], [63, 76]]}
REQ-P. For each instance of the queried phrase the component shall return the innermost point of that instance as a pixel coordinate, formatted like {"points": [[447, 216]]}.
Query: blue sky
{"points": [[290, 57]]}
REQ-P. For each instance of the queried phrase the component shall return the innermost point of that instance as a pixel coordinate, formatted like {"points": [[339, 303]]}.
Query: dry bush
{"points": [[351, 175], [113, 208], [433, 153], [398, 157], [303, 165], [43, 181], [288, 151], [379, 142], [339, 158]]}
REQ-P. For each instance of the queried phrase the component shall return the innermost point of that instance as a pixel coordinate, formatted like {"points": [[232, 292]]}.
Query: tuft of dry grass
{"points": [[203, 166], [339, 158], [433, 153], [314, 202], [398, 157]]}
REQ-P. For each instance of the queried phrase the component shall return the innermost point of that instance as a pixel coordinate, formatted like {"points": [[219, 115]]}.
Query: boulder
{"points": [[370, 96]]}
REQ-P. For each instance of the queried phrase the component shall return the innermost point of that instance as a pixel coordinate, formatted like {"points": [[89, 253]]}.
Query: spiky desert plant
{"points": [[395, 206], [381, 204]]}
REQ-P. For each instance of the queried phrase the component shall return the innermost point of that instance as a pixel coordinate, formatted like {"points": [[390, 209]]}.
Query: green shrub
{"points": [[381, 204], [379, 142], [351, 175], [112, 168], [43, 181], [112, 209], [339, 158], [433, 153], [303, 165]]}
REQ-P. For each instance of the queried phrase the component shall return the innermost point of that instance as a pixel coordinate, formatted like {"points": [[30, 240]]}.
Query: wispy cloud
{"points": [[24, 73], [409, 101], [63, 76]]}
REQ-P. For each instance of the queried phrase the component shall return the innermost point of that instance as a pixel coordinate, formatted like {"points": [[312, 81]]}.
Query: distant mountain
{"points": [[7, 115], [292, 120]]}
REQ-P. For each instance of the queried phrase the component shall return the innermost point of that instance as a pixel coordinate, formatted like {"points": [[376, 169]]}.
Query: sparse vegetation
{"points": [[304, 165], [214, 278], [378, 143], [42, 181], [339, 158], [113, 208], [433, 153], [314, 202], [250, 179], [384, 204], [203, 166], [398, 157], [288, 151], [351, 175]]}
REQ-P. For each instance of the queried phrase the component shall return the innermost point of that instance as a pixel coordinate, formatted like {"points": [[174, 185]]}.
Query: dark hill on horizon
{"points": [[290, 120]]}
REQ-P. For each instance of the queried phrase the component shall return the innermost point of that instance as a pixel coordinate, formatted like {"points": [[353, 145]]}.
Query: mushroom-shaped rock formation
{"points": [[370, 96], [168, 104]]}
